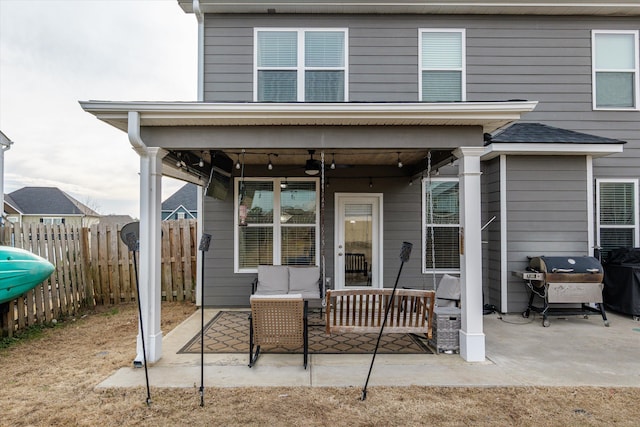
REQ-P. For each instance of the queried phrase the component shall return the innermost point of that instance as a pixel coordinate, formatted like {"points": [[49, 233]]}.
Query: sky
{"points": [[54, 53]]}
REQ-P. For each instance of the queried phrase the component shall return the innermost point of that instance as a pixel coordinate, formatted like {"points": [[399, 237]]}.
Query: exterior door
{"points": [[358, 247]]}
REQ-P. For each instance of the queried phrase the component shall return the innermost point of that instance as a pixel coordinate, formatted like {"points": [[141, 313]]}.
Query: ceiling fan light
{"points": [[312, 167]]}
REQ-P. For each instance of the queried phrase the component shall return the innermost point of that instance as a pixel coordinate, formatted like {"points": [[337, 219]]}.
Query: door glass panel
{"points": [[358, 232]]}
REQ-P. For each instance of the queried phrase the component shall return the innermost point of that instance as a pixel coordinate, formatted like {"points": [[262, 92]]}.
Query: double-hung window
{"points": [[441, 225], [615, 67], [276, 222], [617, 212], [442, 76], [300, 65]]}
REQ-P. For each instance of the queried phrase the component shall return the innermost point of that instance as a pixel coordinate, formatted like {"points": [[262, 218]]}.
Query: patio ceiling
{"points": [[488, 116]]}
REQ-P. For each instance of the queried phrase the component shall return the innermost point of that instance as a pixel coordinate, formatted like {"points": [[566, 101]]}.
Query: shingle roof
{"points": [[543, 134], [186, 196], [47, 201]]}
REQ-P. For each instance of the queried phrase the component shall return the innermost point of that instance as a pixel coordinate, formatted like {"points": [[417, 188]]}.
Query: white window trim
{"points": [[277, 226], [462, 69], [636, 192], [425, 269], [301, 68], [52, 220], [636, 71]]}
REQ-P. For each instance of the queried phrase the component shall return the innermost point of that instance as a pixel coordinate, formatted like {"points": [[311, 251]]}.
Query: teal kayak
{"points": [[21, 271]]}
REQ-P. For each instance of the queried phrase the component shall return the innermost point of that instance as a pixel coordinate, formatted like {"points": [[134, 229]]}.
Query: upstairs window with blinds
{"points": [[441, 219], [615, 60], [277, 222], [294, 65], [617, 214], [442, 65]]}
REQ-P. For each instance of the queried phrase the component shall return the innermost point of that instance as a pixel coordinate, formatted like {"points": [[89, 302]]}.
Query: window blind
{"points": [[441, 50], [324, 49], [616, 65]]}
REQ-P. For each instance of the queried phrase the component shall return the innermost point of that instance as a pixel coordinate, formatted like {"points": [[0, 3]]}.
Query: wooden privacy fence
{"points": [[65, 291], [113, 272], [94, 266]]}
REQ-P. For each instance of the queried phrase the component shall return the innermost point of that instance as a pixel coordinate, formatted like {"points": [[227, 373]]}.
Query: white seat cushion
{"points": [[272, 280], [448, 292], [276, 296], [304, 280]]}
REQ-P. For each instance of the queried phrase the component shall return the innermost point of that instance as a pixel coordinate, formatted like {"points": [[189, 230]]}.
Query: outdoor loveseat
{"points": [[284, 279]]}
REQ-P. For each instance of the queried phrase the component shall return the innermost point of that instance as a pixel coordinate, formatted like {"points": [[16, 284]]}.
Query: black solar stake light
{"points": [[405, 252], [204, 247], [130, 236]]}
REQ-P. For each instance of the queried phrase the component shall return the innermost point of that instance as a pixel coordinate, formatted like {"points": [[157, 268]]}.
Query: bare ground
{"points": [[49, 380]]}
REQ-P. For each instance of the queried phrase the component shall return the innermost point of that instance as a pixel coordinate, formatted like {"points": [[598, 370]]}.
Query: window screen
{"points": [[442, 65], [442, 223], [617, 215], [301, 65], [615, 60]]}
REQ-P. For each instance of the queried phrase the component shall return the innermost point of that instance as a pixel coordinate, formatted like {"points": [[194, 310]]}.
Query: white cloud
{"points": [[55, 53]]}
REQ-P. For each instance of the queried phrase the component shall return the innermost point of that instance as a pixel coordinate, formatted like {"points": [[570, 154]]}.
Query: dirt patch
{"points": [[50, 380]]}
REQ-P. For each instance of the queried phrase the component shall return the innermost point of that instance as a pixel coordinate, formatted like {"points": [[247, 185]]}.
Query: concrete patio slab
{"points": [[572, 351]]}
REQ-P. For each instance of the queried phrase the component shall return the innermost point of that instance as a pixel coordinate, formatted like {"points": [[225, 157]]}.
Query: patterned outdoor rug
{"points": [[228, 332]]}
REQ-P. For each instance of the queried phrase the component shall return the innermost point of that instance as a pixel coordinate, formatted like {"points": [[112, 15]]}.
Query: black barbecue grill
{"points": [[562, 282]]}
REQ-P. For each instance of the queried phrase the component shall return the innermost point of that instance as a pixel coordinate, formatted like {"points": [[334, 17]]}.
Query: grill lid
{"points": [[568, 268]]}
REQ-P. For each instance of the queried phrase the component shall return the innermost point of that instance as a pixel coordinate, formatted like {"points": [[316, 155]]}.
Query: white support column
{"points": [[149, 253], [472, 338]]}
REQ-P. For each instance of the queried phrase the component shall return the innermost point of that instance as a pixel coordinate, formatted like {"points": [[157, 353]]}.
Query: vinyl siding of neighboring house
{"points": [[33, 205], [182, 204]]}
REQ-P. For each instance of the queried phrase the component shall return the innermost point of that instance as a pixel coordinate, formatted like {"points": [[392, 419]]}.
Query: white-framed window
{"points": [[181, 215], [300, 65], [440, 225], [617, 214], [442, 65], [615, 68], [49, 220], [277, 222]]}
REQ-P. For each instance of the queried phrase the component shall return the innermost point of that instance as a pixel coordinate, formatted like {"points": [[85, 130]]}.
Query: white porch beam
{"points": [[150, 244], [472, 338]]}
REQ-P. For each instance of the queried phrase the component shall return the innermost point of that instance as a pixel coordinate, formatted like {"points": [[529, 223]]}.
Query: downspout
{"points": [[200, 197], [149, 252], [200, 17], [5, 145]]}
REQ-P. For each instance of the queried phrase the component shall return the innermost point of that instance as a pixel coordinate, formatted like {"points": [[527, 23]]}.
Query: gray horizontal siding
{"points": [[491, 236], [547, 213], [402, 222], [547, 59]]}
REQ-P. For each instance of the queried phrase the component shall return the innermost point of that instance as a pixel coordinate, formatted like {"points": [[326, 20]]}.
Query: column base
{"points": [[154, 350], [472, 347]]}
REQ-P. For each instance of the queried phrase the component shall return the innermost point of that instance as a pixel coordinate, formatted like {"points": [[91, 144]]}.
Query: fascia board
{"points": [[546, 149], [490, 115], [501, 7]]}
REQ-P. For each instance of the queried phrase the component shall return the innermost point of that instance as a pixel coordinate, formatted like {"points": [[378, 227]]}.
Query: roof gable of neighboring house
{"points": [[10, 206], [186, 197], [48, 201]]}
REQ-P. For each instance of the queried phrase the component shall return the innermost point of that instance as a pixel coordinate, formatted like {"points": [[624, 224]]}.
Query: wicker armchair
{"points": [[277, 321]]}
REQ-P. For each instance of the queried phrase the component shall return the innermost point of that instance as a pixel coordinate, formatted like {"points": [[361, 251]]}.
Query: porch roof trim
{"points": [[489, 115], [557, 149], [528, 7]]}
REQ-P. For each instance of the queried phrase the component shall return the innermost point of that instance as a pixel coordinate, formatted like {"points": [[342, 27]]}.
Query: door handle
{"points": [[339, 253]]}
